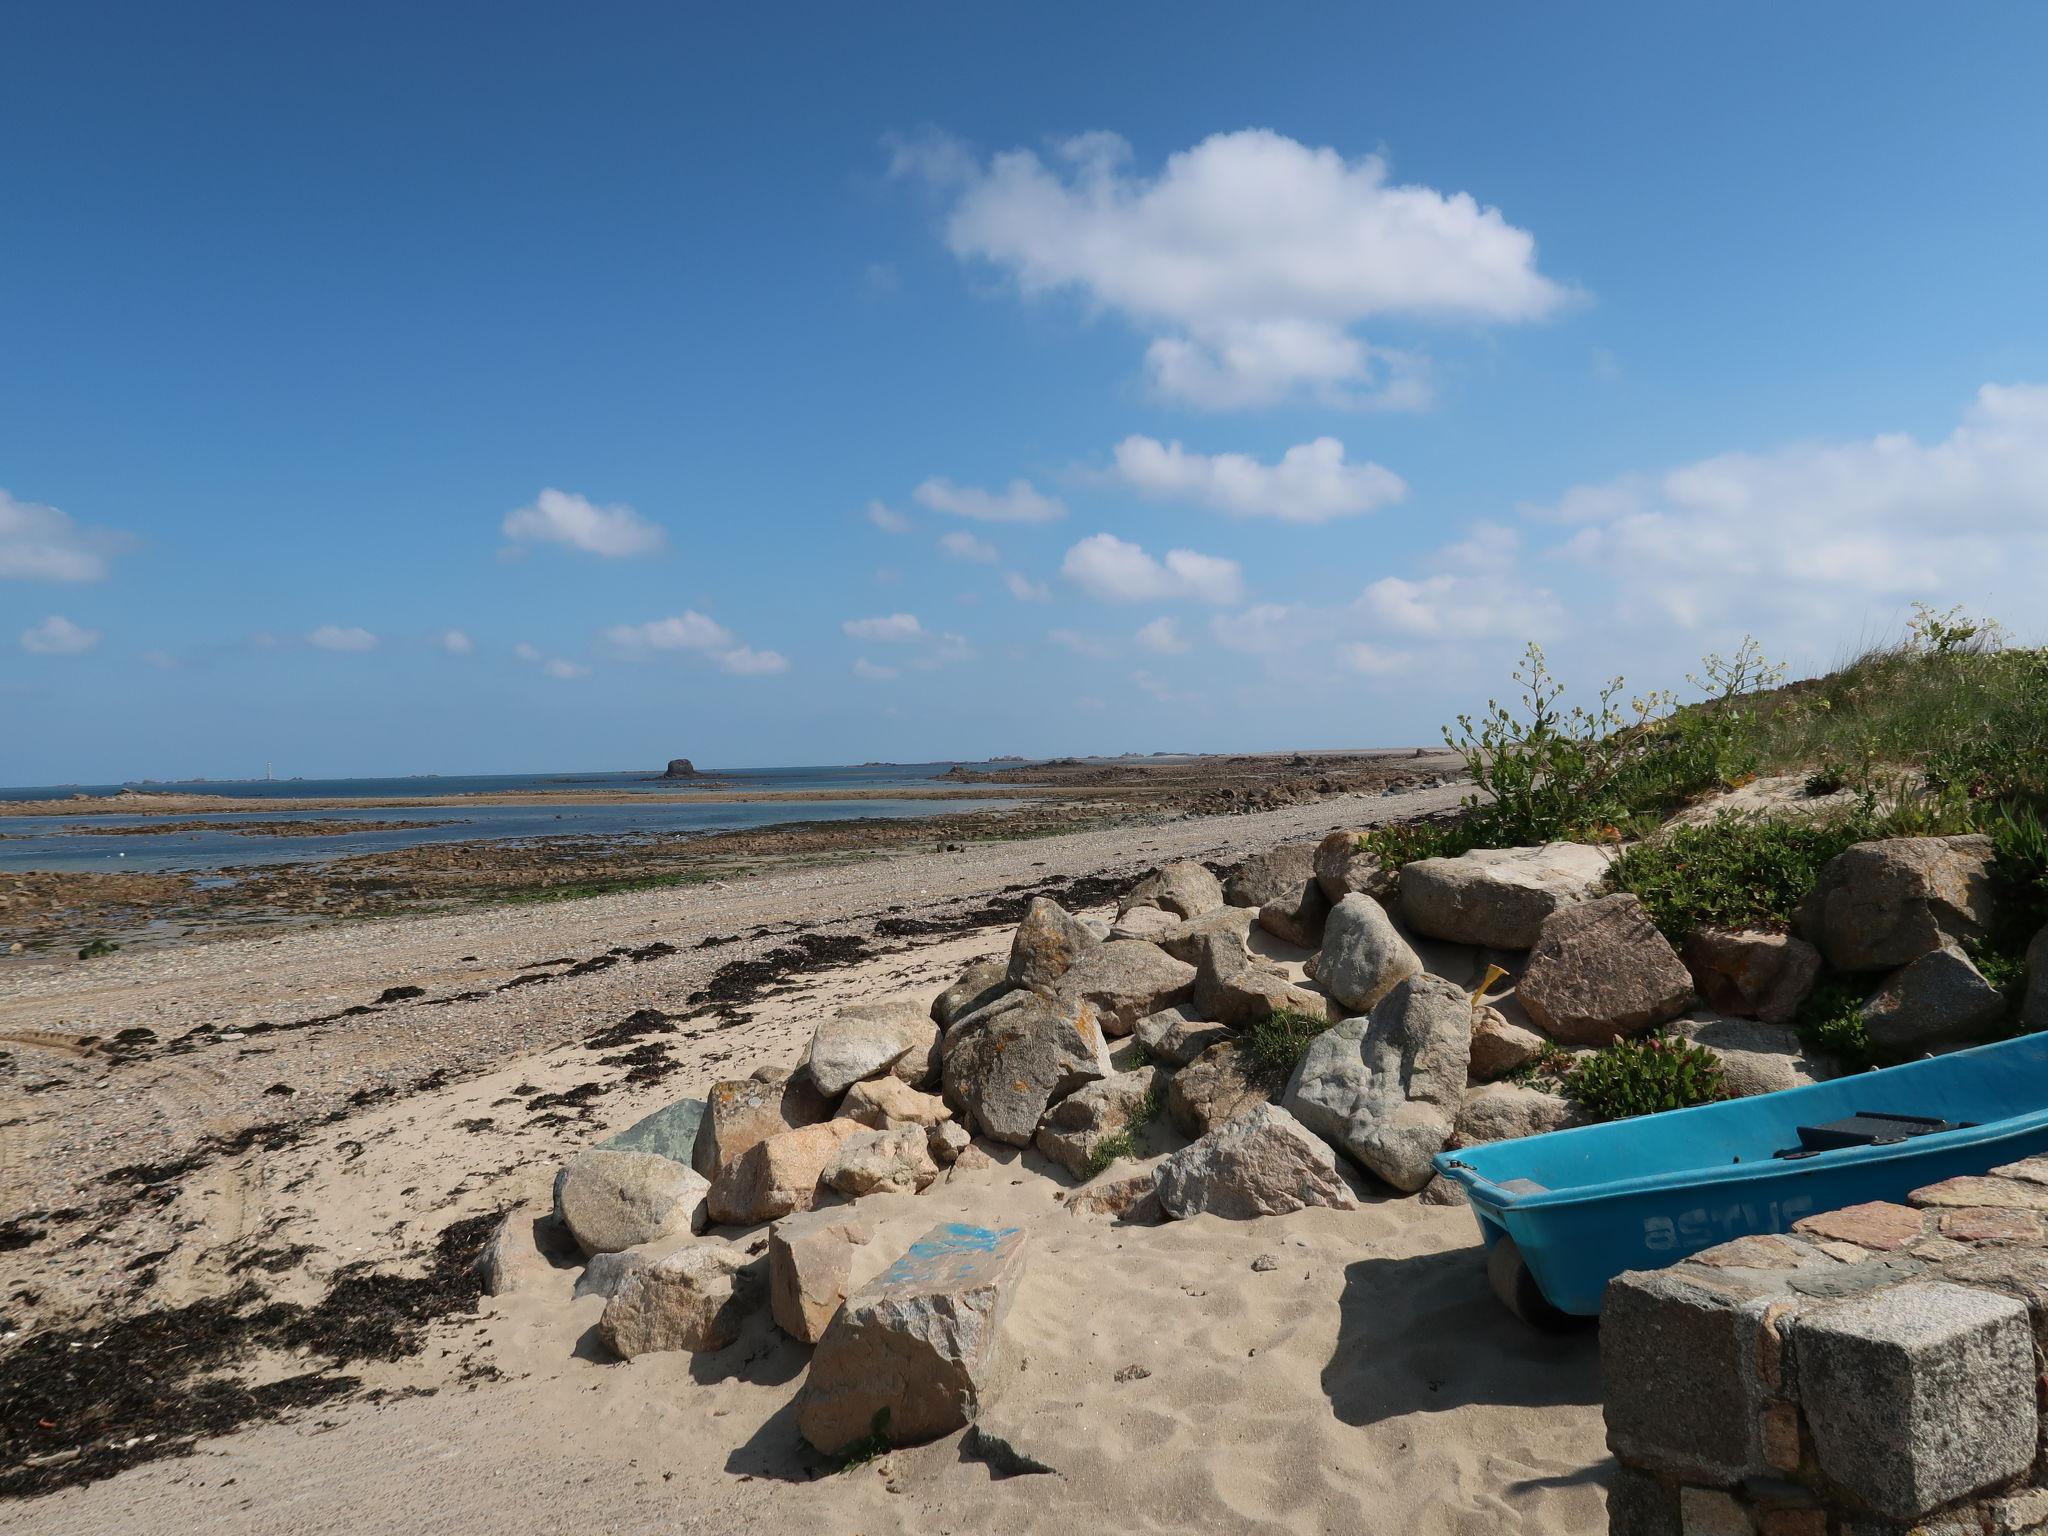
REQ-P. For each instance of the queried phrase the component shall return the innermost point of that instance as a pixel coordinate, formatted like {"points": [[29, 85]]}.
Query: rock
{"points": [[1270, 876], [1086, 1118], [869, 1039], [1233, 989], [979, 985], [1506, 1112], [614, 1200], [946, 1141], [1265, 1163], [1183, 888], [1098, 926], [810, 1270], [1919, 1394], [1499, 1047], [669, 1132], [1124, 1191], [881, 1162], [740, 1113], [1363, 957], [883, 1103], [1152, 925], [1387, 1089], [1048, 942], [1343, 868], [1125, 980], [967, 1023], [1189, 941], [679, 768], [914, 1352], [1298, 917], [1177, 1036], [1756, 1057], [1887, 903], [1443, 1191], [779, 1175], [1878, 1225], [1939, 999], [695, 1299], [523, 1248], [2034, 1010], [1004, 1072], [1216, 1087], [1754, 975], [1600, 971], [1498, 897], [606, 1272]]}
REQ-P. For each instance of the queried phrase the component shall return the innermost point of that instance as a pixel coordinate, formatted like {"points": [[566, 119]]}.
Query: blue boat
{"points": [[1564, 1213]]}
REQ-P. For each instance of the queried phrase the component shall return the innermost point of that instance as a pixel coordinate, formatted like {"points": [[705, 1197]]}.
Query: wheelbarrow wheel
{"points": [[1508, 1273]]}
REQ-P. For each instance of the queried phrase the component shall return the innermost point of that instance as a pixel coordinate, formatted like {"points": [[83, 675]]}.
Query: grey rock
{"points": [[613, 1200], [1265, 1163], [979, 985], [1192, 938], [1183, 888], [1639, 1505], [892, 1162], [1600, 971], [1508, 1111], [1757, 1057], [1125, 980], [1498, 897], [810, 1269], [1298, 917], [897, 1037], [525, 1246], [1216, 1087], [1233, 989], [915, 1351], [1048, 942], [1003, 1072], [1919, 1394], [1099, 926], [946, 1141], [1343, 868], [1269, 876], [670, 1132], [606, 1272], [1076, 1126], [1443, 1191], [740, 1112], [1499, 1046], [696, 1298], [1753, 975], [1939, 999], [1886, 903], [1177, 1036], [1363, 957], [1152, 925], [883, 1103], [1126, 1191]]}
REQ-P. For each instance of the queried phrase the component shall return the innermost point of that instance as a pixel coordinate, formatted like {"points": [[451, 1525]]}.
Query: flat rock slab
{"points": [[913, 1353], [614, 1200], [1876, 1224], [1265, 1163], [1498, 897]]}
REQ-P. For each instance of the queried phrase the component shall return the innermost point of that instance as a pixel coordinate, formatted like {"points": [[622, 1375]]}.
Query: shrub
{"points": [[1644, 1076], [94, 948], [1277, 1042], [1831, 1019], [1124, 1143], [1733, 872], [2019, 839]]}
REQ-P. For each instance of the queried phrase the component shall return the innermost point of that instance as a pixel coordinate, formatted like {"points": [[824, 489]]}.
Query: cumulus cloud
{"points": [[962, 545], [39, 543], [1264, 629], [1025, 590], [1249, 259], [1162, 637], [1018, 502], [887, 518], [1461, 607], [1373, 660], [888, 629], [872, 672], [58, 636], [1107, 567], [456, 643], [745, 661], [1311, 483], [338, 637], [565, 671], [526, 651], [686, 631], [563, 517]]}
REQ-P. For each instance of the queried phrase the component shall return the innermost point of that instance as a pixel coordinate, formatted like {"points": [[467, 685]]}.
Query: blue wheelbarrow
{"points": [[1564, 1213]]}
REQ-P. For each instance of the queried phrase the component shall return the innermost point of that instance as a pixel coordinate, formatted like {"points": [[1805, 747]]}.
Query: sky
{"points": [[505, 388]]}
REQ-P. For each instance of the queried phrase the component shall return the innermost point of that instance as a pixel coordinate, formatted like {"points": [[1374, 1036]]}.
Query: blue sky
{"points": [[595, 339]]}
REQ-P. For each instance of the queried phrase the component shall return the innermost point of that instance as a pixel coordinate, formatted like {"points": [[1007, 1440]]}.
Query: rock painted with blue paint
{"points": [[915, 1352]]}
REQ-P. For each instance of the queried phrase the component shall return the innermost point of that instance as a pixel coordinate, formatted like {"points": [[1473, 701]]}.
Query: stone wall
{"points": [[1877, 1371]]}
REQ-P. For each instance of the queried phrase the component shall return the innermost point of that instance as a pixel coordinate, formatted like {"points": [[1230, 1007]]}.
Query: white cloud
{"points": [[962, 545], [1486, 547], [872, 672], [1018, 502], [526, 651], [337, 637], [1025, 590], [566, 671], [1249, 258], [1264, 629], [1162, 637], [745, 661], [889, 629], [945, 650], [1448, 606], [1106, 567], [563, 517], [456, 643], [686, 631], [1311, 483], [1373, 660], [887, 518], [58, 636], [1092, 646], [39, 543]]}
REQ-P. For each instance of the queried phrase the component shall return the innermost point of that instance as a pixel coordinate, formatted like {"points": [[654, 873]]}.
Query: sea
{"points": [[84, 842]]}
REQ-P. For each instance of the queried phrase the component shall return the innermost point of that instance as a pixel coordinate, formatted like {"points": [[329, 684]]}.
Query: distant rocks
{"points": [[679, 768]]}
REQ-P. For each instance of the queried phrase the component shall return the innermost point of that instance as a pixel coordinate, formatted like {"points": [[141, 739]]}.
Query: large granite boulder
{"points": [[613, 1200], [1298, 917], [1756, 1057], [1386, 1089], [1125, 980], [1216, 1087], [892, 1162], [1048, 942], [1886, 903], [696, 1298], [1939, 999], [979, 985], [1753, 975], [810, 1269], [1344, 867], [913, 1354], [779, 1175], [1601, 971], [1008, 1065], [1265, 1163], [1507, 1112], [1177, 1036], [1081, 1122], [1500, 1046], [1235, 990], [1270, 876], [897, 1037], [1183, 888], [1498, 897], [740, 1112], [1363, 957], [670, 1131], [1188, 941], [883, 1103]]}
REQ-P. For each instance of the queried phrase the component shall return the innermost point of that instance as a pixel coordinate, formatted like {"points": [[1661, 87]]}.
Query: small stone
{"points": [[671, 1132], [1149, 924], [1125, 1191], [1499, 1047], [606, 1272], [522, 1249], [1344, 867], [1177, 1036], [694, 1299], [1754, 975], [1265, 1264], [946, 1141], [1510, 1111]]}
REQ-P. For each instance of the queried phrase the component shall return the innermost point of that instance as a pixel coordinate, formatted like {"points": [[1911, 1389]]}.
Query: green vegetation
{"points": [[1124, 1143], [1832, 1020], [94, 948], [581, 891], [1277, 1042], [1735, 872], [870, 1449], [1644, 1076]]}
